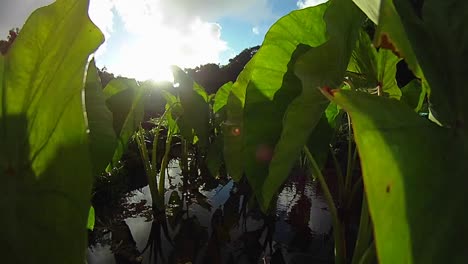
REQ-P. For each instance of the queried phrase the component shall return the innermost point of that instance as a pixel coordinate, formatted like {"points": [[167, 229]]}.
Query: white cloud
{"points": [[100, 12], [156, 41], [160, 32], [306, 3], [255, 30]]}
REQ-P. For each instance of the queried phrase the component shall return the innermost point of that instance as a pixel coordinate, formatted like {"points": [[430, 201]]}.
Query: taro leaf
{"points": [[194, 123], [376, 68], [439, 39], [270, 86], [124, 99], [45, 166], [214, 158], [391, 35], [415, 179], [267, 85], [370, 7], [319, 140], [221, 97], [413, 94], [102, 137], [322, 65]]}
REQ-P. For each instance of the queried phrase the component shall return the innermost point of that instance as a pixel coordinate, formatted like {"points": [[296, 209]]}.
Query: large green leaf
{"points": [[194, 100], [439, 39], [124, 99], [270, 84], [45, 167], [102, 136], [266, 86], [323, 65], [415, 179]]}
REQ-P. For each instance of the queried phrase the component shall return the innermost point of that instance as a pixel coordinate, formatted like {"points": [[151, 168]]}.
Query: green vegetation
{"points": [[317, 90]]}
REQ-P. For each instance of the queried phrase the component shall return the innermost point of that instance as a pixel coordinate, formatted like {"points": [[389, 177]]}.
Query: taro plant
{"points": [[53, 142], [408, 162], [45, 162]]}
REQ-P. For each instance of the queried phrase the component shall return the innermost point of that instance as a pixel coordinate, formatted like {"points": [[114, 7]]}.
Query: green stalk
{"points": [[155, 148], [350, 157], [369, 255], [338, 230], [165, 161], [140, 139], [364, 234], [184, 158], [339, 172]]}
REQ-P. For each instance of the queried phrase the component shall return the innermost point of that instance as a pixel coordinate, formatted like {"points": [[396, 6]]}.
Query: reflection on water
{"points": [[216, 222]]}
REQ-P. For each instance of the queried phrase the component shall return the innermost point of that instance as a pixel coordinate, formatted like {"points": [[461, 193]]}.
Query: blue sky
{"points": [[145, 37]]}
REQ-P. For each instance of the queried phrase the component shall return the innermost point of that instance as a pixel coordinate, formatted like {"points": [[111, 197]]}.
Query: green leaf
{"points": [[415, 179], [194, 101], [45, 166], [214, 158], [102, 136], [370, 7], [439, 39], [221, 97], [91, 219], [375, 68], [391, 35], [124, 99], [270, 85], [324, 65], [413, 94]]}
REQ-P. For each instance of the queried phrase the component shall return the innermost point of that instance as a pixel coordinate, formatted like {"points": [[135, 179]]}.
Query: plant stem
{"points": [[350, 157], [338, 231], [165, 161], [364, 234], [339, 172], [140, 139]]}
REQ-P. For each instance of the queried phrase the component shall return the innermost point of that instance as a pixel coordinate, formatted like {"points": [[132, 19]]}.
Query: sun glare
{"points": [[151, 44]]}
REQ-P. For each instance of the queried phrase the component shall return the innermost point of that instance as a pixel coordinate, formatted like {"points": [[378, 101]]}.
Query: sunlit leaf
{"points": [[91, 219], [415, 179], [102, 136], [124, 99], [45, 166], [375, 69], [323, 65], [221, 97], [370, 7]]}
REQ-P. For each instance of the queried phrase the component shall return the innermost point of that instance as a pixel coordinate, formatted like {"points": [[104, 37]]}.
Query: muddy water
{"points": [[219, 223]]}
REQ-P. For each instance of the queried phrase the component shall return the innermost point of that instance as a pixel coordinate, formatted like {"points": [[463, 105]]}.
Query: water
{"points": [[216, 222]]}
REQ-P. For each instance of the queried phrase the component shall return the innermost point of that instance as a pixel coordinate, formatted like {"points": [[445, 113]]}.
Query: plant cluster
{"points": [[316, 67]]}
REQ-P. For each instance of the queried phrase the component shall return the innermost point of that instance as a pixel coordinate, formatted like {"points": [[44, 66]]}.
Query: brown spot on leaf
{"points": [[386, 42], [388, 188]]}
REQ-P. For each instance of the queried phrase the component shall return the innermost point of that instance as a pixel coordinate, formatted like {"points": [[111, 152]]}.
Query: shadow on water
{"points": [[215, 221]]}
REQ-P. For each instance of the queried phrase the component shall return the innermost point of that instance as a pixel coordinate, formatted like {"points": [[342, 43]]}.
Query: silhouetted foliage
{"points": [[211, 76], [6, 44], [105, 76]]}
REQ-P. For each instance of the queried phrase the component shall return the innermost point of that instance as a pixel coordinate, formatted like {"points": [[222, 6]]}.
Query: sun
{"points": [[146, 59]]}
